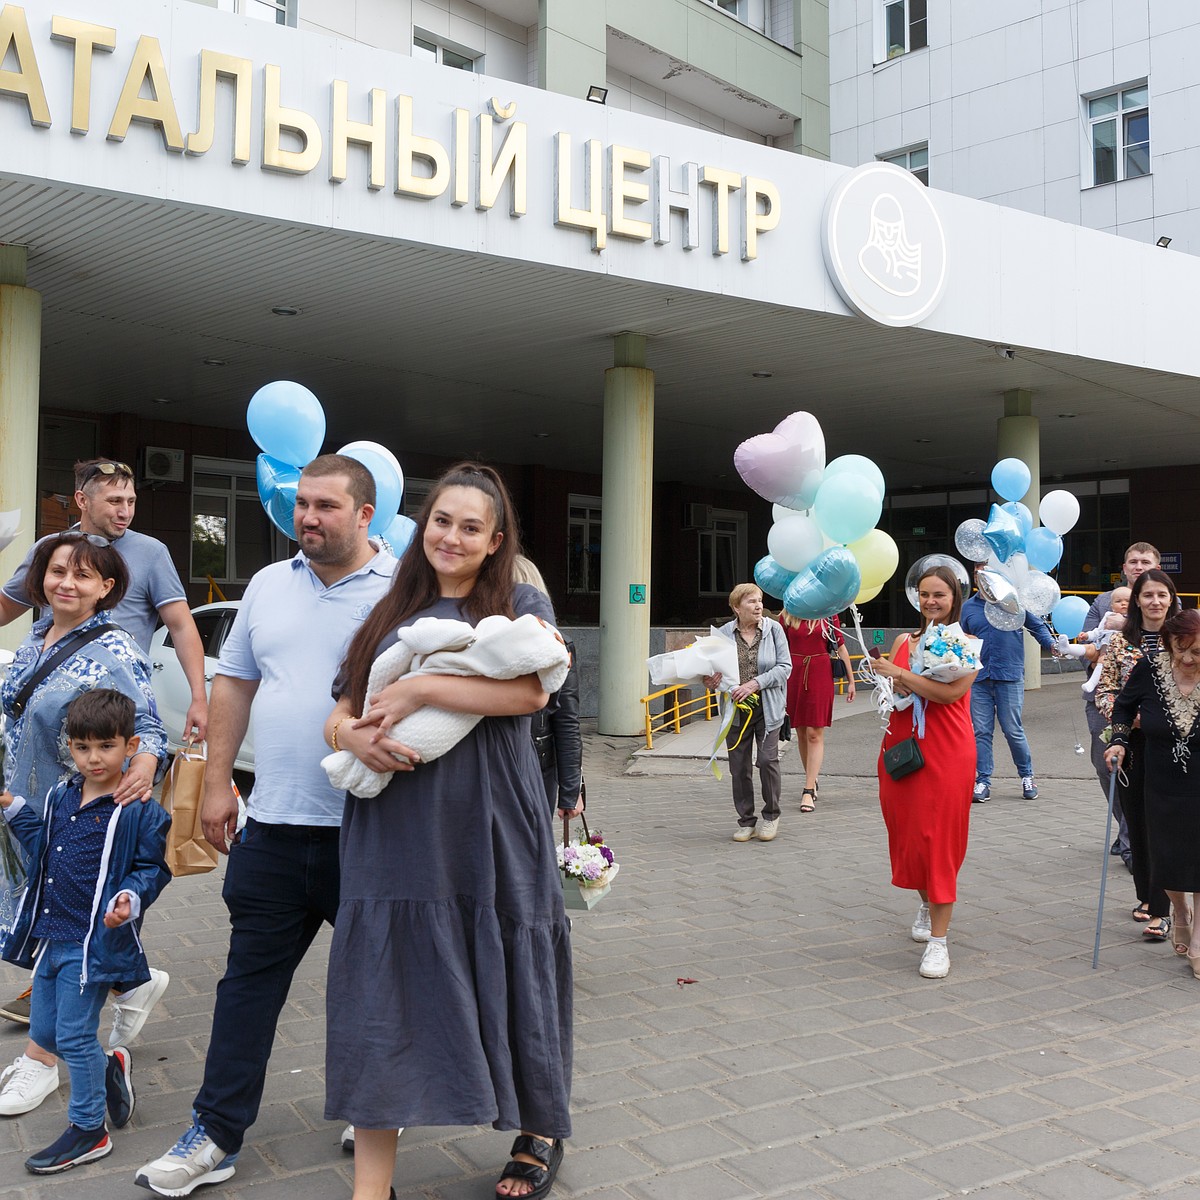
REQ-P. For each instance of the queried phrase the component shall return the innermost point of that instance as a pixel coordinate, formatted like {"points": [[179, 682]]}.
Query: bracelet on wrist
{"points": [[333, 735]]}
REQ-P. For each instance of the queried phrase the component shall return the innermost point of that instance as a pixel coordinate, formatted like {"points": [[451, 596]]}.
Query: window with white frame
{"points": [[583, 544], [722, 553], [915, 159], [732, 7], [426, 46], [900, 26], [1120, 134], [278, 12], [231, 535]]}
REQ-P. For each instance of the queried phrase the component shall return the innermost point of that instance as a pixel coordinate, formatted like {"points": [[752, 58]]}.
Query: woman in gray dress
{"points": [[449, 998]]}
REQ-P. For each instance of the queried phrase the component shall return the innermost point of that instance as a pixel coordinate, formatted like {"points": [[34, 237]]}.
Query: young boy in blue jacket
{"points": [[94, 868]]}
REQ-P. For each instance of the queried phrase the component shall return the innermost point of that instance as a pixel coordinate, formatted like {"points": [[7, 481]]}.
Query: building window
{"points": [[231, 535], [415, 491], [900, 26], [278, 12], [426, 46], [723, 553], [1120, 122], [583, 544], [732, 7], [915, 160]]}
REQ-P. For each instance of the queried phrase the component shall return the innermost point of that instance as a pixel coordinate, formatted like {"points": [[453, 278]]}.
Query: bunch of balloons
{"points": [[1019, 554], [824, 550], [287, 424]]}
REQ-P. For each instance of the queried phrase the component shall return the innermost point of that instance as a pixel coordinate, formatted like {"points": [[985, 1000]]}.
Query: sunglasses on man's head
{"points": [[108, 468], [77, 535]]}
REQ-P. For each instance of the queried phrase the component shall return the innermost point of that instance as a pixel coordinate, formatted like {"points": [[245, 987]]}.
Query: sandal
{"points": [[549, 1155], [1183, 939], [1141, 913], [808, 805], [1158, 930]]}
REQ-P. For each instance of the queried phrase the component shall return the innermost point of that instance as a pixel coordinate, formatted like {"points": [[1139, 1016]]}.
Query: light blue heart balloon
{"points": [[771, 577], [1068, 616], [826, 586], [1003, 533], [1043, 548]]}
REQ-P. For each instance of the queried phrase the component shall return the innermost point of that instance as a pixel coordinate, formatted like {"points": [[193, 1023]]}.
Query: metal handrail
{"points": [[674, 714]]}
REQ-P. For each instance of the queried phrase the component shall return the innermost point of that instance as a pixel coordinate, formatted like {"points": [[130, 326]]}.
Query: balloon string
{"points": [[882, 692]]}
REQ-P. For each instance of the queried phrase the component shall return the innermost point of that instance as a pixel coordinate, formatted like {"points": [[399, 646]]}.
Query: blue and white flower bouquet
{"points": [[944, 653]]}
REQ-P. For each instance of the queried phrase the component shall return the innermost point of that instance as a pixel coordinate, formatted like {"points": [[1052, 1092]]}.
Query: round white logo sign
{"points": [[884, 245]]}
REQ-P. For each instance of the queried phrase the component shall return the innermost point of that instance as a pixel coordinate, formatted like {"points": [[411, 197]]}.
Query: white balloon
{"points": [[794, 542], [379, 449], [780, 512], [1059, 511]]}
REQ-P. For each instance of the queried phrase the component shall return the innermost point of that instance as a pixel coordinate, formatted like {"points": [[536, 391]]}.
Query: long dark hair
{"points": [[947, 576], [1133, 630], [88, 550], [415, 583]]}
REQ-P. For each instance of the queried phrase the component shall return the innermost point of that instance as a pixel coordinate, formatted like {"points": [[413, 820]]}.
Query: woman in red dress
{"points": [[928, 812], [810, 692]]}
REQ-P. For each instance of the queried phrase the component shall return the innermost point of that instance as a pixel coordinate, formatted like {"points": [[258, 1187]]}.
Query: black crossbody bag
{"points": [[58, 653], [903, 758]]}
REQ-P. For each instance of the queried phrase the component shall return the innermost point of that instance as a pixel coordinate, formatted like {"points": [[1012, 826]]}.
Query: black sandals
{"points": [[549, 1154]]}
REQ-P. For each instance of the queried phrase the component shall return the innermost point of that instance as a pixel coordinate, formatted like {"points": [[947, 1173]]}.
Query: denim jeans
{"points": [[992, 699], [64, 1019], [281, 885]]}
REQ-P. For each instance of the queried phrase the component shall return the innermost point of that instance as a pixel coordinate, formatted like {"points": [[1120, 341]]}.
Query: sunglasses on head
{"points": [[77, 535], [108, 468]]}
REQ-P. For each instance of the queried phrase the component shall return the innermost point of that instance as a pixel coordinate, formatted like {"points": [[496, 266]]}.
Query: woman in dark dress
{"points": [[450, 989], [1164, 692]]}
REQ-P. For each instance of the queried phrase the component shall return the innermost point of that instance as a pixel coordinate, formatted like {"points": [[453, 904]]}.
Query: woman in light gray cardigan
{"points": [[764, 664]]}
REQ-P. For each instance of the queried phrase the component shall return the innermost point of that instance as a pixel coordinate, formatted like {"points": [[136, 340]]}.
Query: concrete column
{"points": [[1018, 436], [20, 369], [625, 540]]}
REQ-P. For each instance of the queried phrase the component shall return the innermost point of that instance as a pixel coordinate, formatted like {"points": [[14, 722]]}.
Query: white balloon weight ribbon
{"points": [[883, 695]]}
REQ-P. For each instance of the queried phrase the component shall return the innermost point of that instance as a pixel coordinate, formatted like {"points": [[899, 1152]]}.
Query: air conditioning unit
{"points": [[697, 516], [162, 465]]}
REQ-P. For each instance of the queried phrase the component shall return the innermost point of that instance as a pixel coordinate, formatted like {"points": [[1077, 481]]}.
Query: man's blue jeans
{"points": [[281, 886], [992, 699], [63, 1018]]}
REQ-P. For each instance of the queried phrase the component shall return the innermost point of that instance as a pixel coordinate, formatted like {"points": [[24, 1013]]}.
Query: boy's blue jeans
{"points": [[992, 700], [64, 1019]]}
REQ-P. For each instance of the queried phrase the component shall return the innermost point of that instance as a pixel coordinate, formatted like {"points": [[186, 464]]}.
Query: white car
{"points": [[171, 690]]}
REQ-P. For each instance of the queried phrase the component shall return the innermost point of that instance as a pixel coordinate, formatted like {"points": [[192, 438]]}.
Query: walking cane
{"points": [[1112, 795]]}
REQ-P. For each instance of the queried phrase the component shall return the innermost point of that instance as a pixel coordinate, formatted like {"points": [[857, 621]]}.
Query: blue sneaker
{"points": [[194, 1160], [118, 1087], [1029, 789], [72, 1148], [982, 793]]}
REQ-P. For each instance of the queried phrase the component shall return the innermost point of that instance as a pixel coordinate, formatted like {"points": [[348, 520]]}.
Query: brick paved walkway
{"points": [[808, 1059]]}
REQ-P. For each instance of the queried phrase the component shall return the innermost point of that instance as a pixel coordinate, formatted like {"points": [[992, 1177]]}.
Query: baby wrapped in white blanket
{"points": [[496, 648]]}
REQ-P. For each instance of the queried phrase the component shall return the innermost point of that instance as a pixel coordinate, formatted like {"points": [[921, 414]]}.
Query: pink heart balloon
{"points": [[785, 466]]}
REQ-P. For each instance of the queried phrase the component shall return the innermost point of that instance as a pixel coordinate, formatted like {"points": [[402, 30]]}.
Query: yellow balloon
{"points": [[877, 557], [868, 593]]}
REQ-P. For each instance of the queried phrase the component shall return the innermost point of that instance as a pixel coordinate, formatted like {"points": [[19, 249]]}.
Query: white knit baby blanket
{"points": [[496, 648]]}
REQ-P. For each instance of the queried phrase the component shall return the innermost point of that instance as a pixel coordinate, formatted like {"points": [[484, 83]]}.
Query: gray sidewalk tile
{"points": [[1081, 1181]]}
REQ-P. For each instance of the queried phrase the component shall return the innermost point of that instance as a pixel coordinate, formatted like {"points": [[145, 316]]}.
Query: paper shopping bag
{"points": [[188, 853]]}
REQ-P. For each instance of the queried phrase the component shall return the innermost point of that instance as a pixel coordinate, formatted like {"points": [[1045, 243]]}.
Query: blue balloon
{"points": [[1043, 548], [399, 534], [1003, 533], [847, 507], [388, 486], [771, 577], [856, 464], [1024, 517], [287, 422], [281, 508], [1068, 616], [1011, 478], [270, 473], [827, 585]]}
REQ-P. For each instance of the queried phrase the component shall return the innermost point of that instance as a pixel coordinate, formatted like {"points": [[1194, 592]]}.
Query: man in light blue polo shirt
{"points": [[282, 880]]}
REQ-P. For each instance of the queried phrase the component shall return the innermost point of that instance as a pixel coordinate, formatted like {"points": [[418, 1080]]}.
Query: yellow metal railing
{"points": [[213, 586], [675, 713]]}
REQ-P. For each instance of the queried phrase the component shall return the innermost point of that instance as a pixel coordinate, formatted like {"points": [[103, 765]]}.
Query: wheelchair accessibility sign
{"points": [[637, 593]]}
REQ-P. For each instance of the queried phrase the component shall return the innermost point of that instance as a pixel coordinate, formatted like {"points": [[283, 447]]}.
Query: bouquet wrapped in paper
{"points": [[705, 656], [944, 653]]}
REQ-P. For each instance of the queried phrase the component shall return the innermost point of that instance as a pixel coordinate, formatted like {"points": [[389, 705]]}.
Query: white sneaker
{"points": [[348, 1139], [193, 1160], [130, 1009], [935, 962], [26, 1084], [744, 833], [767, 830], [920, 925]]}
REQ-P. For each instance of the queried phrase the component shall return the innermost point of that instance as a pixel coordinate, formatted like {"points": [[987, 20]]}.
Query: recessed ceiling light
{"points": [[540, 436], [1112, 460], [213, 362], [1066, 416], [922, 441], [162, 400], [286, 310], [761, 374]]}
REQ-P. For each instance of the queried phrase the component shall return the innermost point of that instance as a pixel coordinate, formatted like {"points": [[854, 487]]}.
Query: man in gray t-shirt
{"points": [[106, 498]]}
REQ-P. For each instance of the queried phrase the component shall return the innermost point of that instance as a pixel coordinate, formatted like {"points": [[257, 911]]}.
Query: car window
{"points": [[212, 627]]}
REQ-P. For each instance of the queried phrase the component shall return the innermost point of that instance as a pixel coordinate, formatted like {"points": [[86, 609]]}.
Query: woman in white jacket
{"points": [[764, 664]]}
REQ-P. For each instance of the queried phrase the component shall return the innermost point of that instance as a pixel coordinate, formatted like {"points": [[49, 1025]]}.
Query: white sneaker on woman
{"points": [[935, 962], [920, 926], [26, 1084]]}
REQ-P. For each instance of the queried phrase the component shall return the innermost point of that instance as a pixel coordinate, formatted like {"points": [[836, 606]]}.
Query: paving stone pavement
{"points": [[807, 1058]]}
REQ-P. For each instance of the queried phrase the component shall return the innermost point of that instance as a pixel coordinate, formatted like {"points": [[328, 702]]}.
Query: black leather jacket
{"points": [[556, 738]]}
